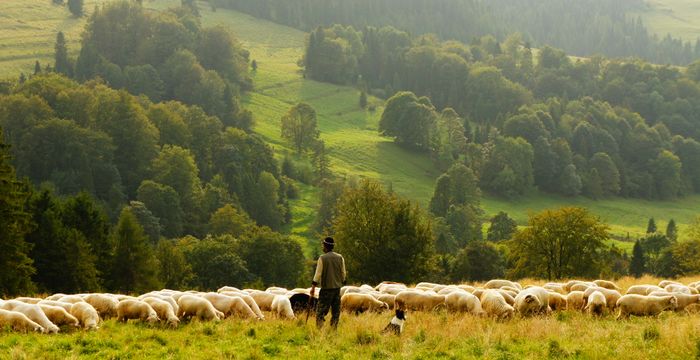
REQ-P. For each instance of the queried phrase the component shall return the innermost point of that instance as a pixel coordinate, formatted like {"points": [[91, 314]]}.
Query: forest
{"points": [[581, 28]]}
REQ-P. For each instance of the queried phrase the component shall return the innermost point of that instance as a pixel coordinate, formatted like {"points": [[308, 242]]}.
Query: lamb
{"points": [[493, 303], [611, 296], [282, 307], [633, 304], [462, 301], [34, 313], [534, 300], [163, 309], [684, 300], [557, 301], [596, 303], [18, 322], [230, 305], [574, 300], [59, 316], [499, 283], [106, 305], [192, 305], [86, 315], [359, 303], [418, 300], [137, 310]]}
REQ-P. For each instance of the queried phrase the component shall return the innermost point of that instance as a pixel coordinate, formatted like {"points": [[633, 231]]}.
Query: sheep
{"points": [[684, 300], [248, 300], [277, 290], [428, 285], [581, 286], [282, 307], [633, 304], [230, 305], [611, 296], [448, 290], [86, 315], [467, 288], [606, 284], [679, 288], [596, 303], [65, 306], [228, 288], [28, 300], [509, 296], [137, 310], [642, 289], [574, 300], [498, 283], [71, 299], [263, 299], [534, 300], [418, 300], [393, 289], [510, 289], [557, 288], [192, 305], [359, 303], [55, 297], [163, 309], [462, 301], [388, 299], [106, 305], [18, 322], [493, 303], [478, 292], [59, 316], [571, 283], [557, 301], [664, 283], [34, 313]]}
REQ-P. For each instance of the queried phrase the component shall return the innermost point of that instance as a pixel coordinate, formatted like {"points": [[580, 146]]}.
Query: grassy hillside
{"points": [[680, 18], [568, 334], [350, 133]]}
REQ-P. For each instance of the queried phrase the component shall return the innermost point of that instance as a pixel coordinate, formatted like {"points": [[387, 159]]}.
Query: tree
{"points": [[76, 7], [363, 99], [508, 170], [607, 170], [654, 245], [570, 181], [299, 127], [637, 266], [672, 230], [408, 119], [164, 202], [37, 68], [174, 272], [331, 191], [285, 268], [560, 243], [135, 267], [267, 210], [62, 64], [651, 226], [381, 235], [666, 169], [479, 261], [465, 223], [502, 227], [215, 262], [229, 220], [440, 202], [16, 267]]}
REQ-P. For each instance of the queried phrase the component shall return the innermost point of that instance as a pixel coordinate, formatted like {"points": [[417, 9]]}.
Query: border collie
{"points": [[396, 324]]}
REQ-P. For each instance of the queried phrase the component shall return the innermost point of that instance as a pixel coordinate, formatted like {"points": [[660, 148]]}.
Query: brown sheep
{"points": [[359, 303], [18, 322], [633, 304]]}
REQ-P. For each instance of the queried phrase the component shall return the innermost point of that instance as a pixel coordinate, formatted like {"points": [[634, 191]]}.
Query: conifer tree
{"points": [[135, 267]]}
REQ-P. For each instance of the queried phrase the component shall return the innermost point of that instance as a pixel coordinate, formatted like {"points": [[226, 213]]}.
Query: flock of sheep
{"points": [[500, 299]]}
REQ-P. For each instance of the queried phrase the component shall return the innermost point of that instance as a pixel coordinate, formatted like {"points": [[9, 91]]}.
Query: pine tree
{"points": [[16, 267], [61, 62], [37, 68], [637, 265], [651, 226], [76, 7], [135, 266], [672, 230]]}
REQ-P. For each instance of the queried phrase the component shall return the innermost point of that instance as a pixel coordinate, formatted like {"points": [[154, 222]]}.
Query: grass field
{"points": [[436, 335], [680, 18], [350, 133]]}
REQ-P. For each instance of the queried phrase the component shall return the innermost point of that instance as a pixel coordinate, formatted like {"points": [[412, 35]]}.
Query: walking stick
{"points": [[309, 306]]}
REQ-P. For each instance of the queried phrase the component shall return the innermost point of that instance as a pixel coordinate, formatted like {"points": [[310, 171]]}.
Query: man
{"points": [[330, 276]]}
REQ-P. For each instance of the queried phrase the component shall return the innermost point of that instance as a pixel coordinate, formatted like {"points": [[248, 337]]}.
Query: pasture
{"points": [[431, 335], [676, 17], [27, 33]]}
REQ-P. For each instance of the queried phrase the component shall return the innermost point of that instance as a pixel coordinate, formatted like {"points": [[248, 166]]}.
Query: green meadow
{"points": [[676, 17], [27, 33]]}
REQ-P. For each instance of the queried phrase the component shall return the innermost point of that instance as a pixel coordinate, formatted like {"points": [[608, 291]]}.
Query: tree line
{"points": [[597, 127], [582, 28]]}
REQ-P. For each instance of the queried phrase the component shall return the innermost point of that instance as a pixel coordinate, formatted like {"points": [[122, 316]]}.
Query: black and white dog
{"points": [[396, 324]]}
